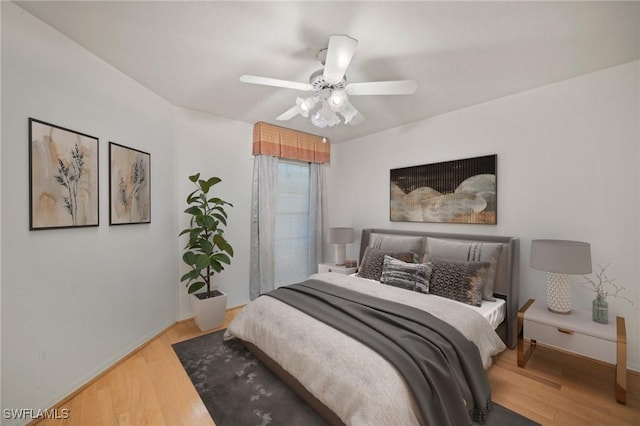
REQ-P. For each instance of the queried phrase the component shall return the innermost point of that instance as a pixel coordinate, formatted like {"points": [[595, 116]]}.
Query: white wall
{"points": [[0, 214], [76, 300], [215, 146], [568, 165]]}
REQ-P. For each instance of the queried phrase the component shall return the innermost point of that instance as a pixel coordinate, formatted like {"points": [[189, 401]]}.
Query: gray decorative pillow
{"points": [[468, 252], [373, 259], [461, 281], [410, 276]]}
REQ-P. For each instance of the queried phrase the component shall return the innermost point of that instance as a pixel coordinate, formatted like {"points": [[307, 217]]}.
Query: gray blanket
{"points": [[441, 367]]}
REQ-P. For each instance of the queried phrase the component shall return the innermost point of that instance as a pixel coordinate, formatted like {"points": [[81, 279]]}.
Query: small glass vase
{"points": [[600, 310]]}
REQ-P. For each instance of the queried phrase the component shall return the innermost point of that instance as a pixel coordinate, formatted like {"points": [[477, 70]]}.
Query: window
{"points": [[291, 235]]}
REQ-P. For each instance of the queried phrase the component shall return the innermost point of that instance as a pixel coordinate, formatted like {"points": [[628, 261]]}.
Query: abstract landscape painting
{"points": [[459, 191], [129, 185], [63, 177]]}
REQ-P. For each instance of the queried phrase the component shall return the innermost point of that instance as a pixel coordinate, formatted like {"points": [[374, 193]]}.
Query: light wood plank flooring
{"points": [[151, 388]]}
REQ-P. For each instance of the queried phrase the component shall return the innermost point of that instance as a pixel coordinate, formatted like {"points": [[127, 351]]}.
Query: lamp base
{"points": [[559, 293], [341, 254]]}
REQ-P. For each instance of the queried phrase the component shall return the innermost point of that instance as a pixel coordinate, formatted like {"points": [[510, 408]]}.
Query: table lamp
{"points": [[560, 258], [340, 237]]}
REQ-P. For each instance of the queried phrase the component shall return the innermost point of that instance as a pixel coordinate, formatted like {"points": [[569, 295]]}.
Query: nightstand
{"points": [[332, 267], [575, 333]]}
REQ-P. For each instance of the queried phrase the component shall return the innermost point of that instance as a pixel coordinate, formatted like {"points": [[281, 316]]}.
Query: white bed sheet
{"points": [[494, 312]]}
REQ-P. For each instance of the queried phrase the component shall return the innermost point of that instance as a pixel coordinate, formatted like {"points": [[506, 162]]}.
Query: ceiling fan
{"points": [[330, 88]]}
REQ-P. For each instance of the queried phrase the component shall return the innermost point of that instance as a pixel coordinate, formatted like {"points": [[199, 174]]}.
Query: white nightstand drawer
{"points": [[332, 267], [572, 341], [574, 333], [324, 268]]}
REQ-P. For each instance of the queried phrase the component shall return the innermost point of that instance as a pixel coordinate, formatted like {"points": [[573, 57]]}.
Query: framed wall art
{"points": [[63, 177], [459, 191], [129, 185]]}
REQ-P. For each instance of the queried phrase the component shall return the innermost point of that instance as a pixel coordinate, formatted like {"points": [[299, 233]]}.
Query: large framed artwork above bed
{"points": [[458, 191], [405, 341]]}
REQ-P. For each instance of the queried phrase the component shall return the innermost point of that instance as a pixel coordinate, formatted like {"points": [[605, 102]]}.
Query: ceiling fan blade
{"points": [[289, 114], [339, 53], [266, 81], [398, 87]]}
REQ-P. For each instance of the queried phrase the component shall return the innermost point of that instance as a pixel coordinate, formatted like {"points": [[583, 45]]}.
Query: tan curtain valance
{"points": [[287, 143]]}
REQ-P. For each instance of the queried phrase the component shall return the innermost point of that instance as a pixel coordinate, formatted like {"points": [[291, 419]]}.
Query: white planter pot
{"points": [[209, 313]]}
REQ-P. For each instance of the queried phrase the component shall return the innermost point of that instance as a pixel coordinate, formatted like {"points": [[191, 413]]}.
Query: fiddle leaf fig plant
{"points": [[207, 251]]}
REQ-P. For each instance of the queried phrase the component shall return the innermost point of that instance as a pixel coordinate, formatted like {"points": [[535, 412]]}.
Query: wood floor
{"points": [[151, 388]]}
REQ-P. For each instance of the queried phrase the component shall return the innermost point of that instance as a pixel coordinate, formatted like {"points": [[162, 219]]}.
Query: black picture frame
{"points": [[458, 191], [63, 177], [129, 185]]}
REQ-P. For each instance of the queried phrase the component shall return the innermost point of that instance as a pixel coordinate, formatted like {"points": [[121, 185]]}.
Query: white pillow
{"points": [[397, 243]]}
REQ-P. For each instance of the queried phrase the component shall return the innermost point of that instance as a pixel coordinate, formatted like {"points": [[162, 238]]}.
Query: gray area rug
{"points": [[238, 390]]}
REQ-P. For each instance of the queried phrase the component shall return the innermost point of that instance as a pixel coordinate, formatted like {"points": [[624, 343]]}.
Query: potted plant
{"points": [[600, 306], [207, 251]]}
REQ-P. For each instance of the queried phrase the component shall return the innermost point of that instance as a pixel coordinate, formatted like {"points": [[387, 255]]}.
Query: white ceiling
{"points": [[460, 53]]}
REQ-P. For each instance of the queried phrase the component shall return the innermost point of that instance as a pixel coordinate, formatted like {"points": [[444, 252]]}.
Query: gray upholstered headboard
{"points": [[507, 274]]}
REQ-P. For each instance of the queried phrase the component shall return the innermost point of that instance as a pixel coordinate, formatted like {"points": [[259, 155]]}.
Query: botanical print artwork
{"points": [[459, 191], [129, 185], [63, 173]]}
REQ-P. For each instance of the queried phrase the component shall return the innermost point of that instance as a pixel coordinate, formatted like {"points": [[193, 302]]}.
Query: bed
{"points": [[345, 380]]}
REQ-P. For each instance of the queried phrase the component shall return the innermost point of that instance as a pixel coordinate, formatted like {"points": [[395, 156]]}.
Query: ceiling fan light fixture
{"points": [[318, 120], [338, 99], [325, 116], [348, 112], [330, 88], [327, 113], [302, 106], [306, 105], [334, 120]]}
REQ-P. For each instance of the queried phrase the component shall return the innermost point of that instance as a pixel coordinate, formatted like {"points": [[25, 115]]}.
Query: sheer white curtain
{"points": [[316, 215], [263, 209], [283, 224]]}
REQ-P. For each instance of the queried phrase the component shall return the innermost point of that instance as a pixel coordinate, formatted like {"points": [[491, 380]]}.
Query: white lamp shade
{"points": [[561, 256], [341, 235]]}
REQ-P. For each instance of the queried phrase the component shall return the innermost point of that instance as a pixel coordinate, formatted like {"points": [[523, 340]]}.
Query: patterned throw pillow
{"points": [[410, 276], [468, 252], [461, 281], [373, 259]]}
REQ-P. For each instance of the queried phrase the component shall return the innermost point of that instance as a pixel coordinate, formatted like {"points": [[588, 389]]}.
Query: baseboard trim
{"points": [[105, 371], [115, 364]]}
